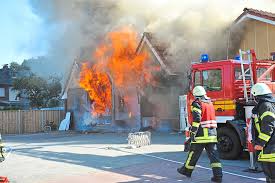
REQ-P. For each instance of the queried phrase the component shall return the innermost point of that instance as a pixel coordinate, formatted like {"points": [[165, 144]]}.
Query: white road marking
{"points": [[178, 162]]}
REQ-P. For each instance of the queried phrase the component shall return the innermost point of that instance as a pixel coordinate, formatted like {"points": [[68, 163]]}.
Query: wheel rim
{"points": [[225, 144]]}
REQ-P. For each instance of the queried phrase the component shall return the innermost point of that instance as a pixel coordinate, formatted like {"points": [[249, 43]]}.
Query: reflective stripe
{"points": [[195, 109], [267, 113], [195, 124], [266, 157], [204, 138], [257, 125], [205, 132], [188, 161], [209, 139], [216, 165], [264, 137], [209, 124]]}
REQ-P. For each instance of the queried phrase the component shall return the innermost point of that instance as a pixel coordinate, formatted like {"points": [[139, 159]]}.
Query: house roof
{"points": [[159, 49], [259, 15]]}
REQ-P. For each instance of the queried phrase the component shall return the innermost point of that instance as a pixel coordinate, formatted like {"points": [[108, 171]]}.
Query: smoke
{"points": [[189, 27]]}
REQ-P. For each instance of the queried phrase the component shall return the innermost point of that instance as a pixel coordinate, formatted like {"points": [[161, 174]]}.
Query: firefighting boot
{"points": [[183, 171], [269, 180], [216, 179]]}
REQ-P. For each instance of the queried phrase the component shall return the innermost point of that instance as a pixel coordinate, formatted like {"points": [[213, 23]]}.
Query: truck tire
{"points": [[229, 145]]}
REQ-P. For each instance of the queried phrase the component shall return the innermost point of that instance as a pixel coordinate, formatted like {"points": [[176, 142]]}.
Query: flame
{"points": [[116, 62], [98, 86]]}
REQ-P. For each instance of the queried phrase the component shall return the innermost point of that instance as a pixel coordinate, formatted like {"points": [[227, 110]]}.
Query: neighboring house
{"points": [[257, 32], [8, 97]]}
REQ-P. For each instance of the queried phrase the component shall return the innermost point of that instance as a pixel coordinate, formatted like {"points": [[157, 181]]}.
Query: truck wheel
{"points": [[229, 145]]}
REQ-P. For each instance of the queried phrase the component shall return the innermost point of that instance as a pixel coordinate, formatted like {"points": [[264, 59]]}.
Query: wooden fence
{"points": [[28, 121]]}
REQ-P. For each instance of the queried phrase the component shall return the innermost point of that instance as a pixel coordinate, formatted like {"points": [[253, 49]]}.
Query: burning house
{"points": [[127, 87]]}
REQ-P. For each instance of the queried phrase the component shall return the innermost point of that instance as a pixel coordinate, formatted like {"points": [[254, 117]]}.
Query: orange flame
{"points": [[116, 58], [98, 86]]}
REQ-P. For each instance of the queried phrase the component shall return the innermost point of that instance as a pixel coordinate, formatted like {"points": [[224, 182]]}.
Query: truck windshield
{"points": [[212, 79], [197, 78]]}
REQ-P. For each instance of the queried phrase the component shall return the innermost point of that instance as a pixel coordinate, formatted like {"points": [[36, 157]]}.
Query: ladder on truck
{"points": [[246, 73]]}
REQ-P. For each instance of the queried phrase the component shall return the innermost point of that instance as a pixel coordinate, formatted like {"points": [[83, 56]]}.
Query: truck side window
{"points": [[238, 73], [197, 78], [212, 79], [260, 71]]}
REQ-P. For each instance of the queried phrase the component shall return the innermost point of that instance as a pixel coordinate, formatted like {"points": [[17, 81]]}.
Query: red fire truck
{"points": [[228, 83]]}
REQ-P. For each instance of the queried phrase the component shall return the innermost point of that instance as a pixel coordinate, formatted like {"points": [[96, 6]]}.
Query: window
{"points": [[197, 78], [211, 80], [260, 72], [238, 73], [2, 92]]}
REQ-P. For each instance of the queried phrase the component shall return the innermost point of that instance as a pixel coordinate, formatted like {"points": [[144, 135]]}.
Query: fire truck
{"points": [[228, 84]]}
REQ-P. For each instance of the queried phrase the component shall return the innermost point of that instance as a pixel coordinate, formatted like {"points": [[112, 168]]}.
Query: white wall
{"points": [[12, 95]]}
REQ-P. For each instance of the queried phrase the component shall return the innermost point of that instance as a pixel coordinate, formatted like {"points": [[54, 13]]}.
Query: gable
{"points": [[156, 50], [73, 79]]}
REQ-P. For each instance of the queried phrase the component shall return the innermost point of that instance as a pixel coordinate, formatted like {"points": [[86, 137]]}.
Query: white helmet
{"points": [[199, 91], [260, 89]]}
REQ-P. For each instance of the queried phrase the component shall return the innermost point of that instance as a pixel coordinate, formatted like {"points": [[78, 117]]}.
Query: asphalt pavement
{"points": [[106, 158]]}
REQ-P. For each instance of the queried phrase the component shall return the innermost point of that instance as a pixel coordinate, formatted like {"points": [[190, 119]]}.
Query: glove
{"points": [[258, 148], [187, 145], [254, 110]]}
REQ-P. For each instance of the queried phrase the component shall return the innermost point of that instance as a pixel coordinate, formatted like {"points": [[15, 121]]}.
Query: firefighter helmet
{"points": [[199, 91], [260, 89]]}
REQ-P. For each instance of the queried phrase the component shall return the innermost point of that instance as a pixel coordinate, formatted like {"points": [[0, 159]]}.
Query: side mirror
{"points": [[189, 75]]}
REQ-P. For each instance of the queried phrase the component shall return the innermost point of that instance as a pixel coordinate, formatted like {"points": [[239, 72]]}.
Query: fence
{"points": [[28, 121]]}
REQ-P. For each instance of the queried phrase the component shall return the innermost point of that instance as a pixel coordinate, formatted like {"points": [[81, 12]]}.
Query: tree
{"points": [[39, 91], [15, 67]]}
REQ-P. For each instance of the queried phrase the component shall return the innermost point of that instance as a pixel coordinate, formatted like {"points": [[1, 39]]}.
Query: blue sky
{"points": [[22, 33]]}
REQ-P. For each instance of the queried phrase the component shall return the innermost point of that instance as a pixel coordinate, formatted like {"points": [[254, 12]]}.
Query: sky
{"points": [[22, 33]]}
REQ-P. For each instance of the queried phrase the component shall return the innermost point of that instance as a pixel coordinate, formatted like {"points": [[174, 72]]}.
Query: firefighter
{"points": [[265, 123], [2, 157], [203, 135]]}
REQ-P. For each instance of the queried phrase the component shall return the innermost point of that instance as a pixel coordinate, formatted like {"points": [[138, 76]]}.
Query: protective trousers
{"points": [[2, 157], [194, 154], [269, 171]]}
